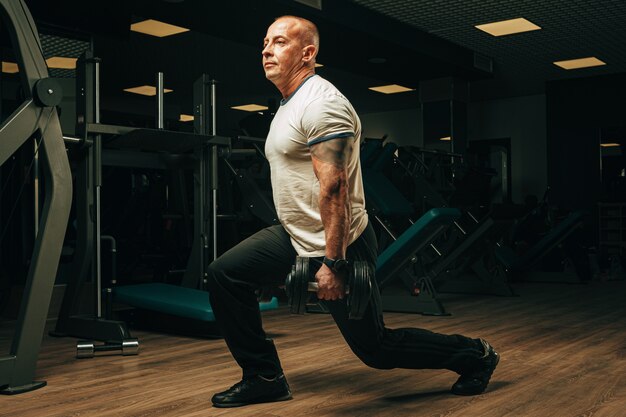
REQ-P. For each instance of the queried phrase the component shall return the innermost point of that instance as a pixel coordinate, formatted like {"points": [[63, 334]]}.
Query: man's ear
{"points": [[308, 53]]}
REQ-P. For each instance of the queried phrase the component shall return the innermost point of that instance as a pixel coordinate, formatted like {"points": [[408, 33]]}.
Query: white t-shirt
{"points": [[315, 112]]}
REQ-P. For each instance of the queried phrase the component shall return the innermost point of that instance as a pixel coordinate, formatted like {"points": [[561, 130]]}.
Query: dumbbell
{"points": [[300, 282], [87, 348]]}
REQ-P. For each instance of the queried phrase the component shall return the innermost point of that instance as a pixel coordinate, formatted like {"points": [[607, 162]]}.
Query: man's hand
{"points": [[331, 284]]}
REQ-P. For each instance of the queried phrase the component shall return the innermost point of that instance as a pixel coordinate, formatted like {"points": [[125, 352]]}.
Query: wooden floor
{"points": [[563, 353]]}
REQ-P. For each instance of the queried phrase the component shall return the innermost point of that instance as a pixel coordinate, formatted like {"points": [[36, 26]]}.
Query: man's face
{"points": [[282, 50]]}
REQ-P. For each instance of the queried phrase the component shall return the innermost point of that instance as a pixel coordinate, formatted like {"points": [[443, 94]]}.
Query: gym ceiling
{"points": [[417, 40]]}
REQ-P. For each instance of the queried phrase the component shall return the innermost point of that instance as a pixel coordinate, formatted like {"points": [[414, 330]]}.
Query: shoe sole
{"points": [[260, 401]]}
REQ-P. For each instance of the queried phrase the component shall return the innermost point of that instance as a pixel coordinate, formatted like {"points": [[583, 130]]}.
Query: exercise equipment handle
{"points": [[314, 287]]}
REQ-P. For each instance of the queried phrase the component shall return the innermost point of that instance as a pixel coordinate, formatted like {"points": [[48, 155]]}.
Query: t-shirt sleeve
{"points": [[328, 118]]}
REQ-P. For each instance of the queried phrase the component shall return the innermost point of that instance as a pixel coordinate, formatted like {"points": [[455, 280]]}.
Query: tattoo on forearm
{"points": [[333, 151]]}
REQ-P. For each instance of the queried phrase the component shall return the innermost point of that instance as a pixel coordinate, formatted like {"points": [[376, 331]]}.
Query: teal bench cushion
{"points": [[175, 300], [420, 234]]}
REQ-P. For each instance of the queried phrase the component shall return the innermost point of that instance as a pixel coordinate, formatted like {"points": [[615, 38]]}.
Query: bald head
{"points": [[304, 29]]}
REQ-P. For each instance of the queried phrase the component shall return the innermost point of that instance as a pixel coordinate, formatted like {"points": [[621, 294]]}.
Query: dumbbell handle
{"points": [[314, 287]]}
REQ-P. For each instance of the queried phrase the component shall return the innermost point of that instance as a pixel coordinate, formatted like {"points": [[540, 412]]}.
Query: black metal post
{"points": [[17, 369]]}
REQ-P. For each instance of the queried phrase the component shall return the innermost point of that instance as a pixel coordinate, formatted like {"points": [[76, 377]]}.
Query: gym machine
{"points": [[192, 149], [35, 117], [131, 147], [396, 262], [258, 201], [85, 266], [403, 288], [189, 300], [464, 260], [522, 265]]}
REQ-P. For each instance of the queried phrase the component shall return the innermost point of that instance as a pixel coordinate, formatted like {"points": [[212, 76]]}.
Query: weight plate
{"points": [[299, 284], [130, 347], [360, 282], [84, 349], [289, 285]]}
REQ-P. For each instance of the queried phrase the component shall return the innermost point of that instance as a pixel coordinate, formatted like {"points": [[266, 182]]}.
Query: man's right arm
{"points": [[329, 160]]}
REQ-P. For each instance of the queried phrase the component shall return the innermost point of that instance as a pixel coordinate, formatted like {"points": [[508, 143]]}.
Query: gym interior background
{"points": [[492, 125]]}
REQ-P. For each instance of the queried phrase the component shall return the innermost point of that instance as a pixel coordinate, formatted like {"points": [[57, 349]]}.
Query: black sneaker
{"points": [[476, 382], [253, 390]]}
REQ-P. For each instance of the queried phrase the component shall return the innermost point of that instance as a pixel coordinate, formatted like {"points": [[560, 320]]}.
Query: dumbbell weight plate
{"points": [[297, 279], [130, 347], [359, 287], [361, 290], [85, 349]]}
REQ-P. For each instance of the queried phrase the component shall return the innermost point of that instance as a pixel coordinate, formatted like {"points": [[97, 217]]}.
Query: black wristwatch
{"points": [[337, 265]]}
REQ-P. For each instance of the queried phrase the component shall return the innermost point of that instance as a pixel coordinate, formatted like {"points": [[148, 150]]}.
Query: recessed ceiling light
{"points": [[609, 145], [508, 27], [446, 138], [61, 62], [250, 107], [591, 61], [146, 90], [157, 28], [186, 118], [391, 89], [10, 67]]}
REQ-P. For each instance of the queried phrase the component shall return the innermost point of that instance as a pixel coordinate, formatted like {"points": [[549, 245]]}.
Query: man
{"points": [[313, 151]]}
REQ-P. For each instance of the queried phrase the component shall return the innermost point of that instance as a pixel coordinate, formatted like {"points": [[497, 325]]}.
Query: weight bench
{"points": [[396, 260], [523, 263], [175, 300], [468, 264], [472, 267]]}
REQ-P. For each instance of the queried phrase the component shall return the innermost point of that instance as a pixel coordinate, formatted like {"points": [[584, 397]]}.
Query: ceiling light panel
{"points": [[146, 90], [391, 89], [156, 28], [508, 27], [61, 54], [10, 67], [250, 107], [570, 64], [61, 62]]}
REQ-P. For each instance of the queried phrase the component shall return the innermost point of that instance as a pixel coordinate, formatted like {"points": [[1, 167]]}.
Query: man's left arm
{"points": [[330, 159]]}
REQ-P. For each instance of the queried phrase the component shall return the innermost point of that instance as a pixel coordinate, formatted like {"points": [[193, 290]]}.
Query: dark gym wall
{"points": [[523, 120], [577, 110]]}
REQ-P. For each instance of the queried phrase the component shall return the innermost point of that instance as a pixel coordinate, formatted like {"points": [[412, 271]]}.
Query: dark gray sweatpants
{"points": [[265, 259]]}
